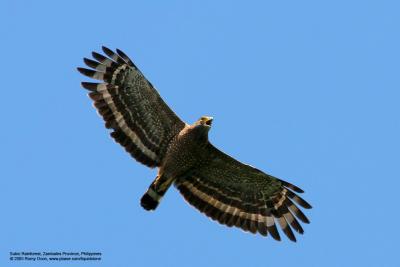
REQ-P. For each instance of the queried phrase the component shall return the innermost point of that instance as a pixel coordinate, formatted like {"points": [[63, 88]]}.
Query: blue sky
{"points": [[305, 90]]}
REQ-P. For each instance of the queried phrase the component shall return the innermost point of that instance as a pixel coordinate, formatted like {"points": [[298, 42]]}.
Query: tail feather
{"points": [[150, 200], [155, 193]]}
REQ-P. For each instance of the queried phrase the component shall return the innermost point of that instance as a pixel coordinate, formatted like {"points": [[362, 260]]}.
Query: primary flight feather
{"points": [[224, 189]]}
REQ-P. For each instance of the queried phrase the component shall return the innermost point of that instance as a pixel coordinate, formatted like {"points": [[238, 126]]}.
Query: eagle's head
{"points": [[205, 121], [201, 127]]}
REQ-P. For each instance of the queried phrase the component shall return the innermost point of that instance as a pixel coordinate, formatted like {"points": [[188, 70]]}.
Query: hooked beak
{"points": [[208, 121]]}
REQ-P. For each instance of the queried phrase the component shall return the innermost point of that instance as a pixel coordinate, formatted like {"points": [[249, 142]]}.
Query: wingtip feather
{"points": [[86, 72], [107, 50], [90, 86]]}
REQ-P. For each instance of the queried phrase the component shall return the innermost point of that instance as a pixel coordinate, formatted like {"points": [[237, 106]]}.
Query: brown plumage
{"points": [[224, 189]]}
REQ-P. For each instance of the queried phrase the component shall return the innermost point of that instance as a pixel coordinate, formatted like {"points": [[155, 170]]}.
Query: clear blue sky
{"points": [[317, 82]]}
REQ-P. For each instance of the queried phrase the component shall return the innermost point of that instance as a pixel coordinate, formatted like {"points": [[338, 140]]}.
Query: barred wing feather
{"points": [[236, 194], [141, 121]]}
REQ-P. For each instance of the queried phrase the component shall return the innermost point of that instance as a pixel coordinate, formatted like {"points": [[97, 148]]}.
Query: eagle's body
{"points": [[226, 190], [185, 151]]}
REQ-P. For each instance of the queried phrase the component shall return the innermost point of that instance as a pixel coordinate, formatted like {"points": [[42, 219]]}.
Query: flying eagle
{"points": [[224, 189]]}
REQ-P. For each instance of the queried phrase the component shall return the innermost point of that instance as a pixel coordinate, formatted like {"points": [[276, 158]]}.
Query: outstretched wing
{"points": [[131, 106], [239, 195]]}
